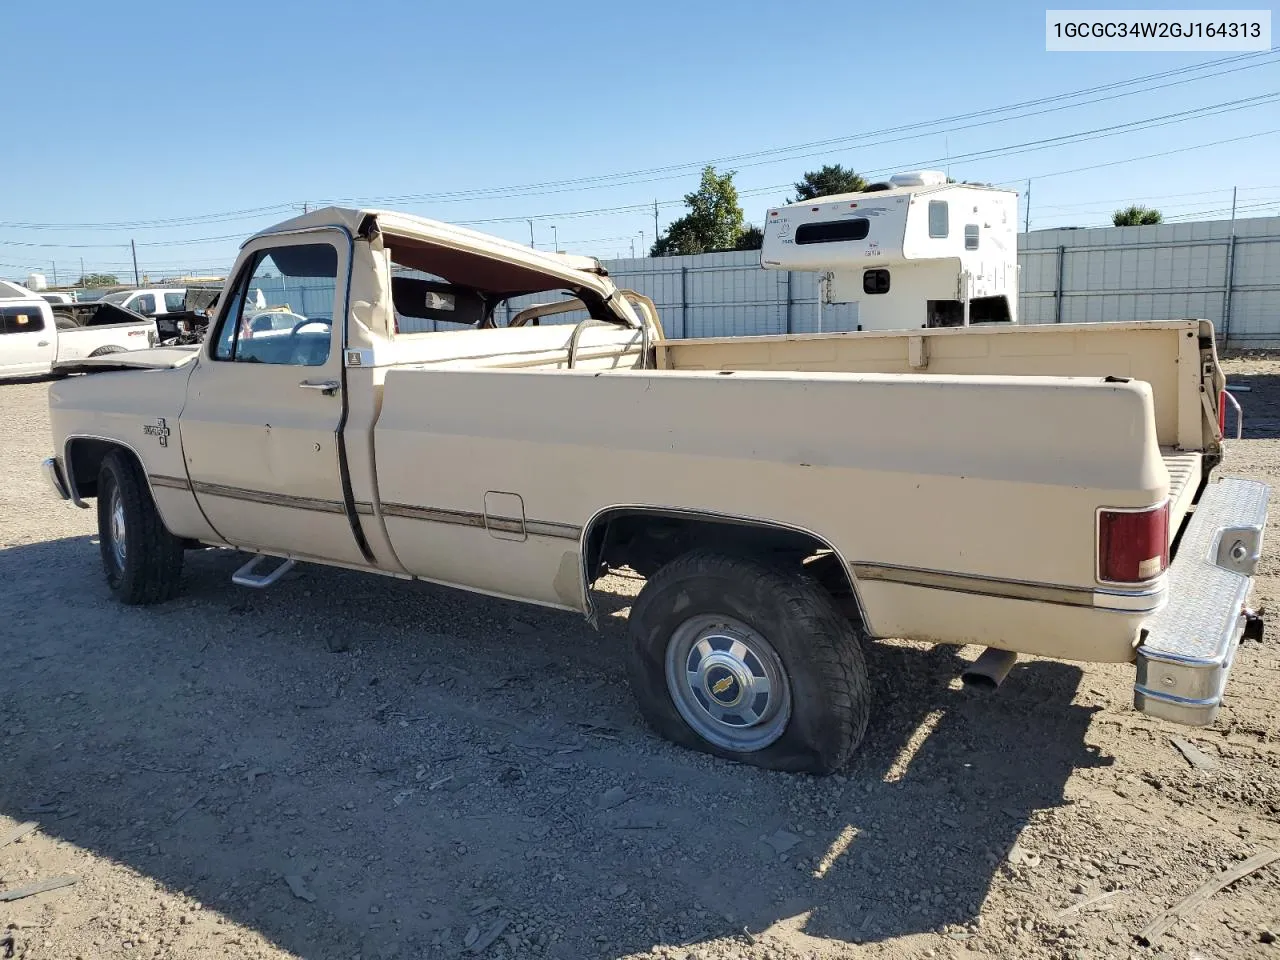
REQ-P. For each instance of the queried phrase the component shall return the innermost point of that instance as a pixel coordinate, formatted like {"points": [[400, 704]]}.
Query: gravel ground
{"points": [[471, 777]]}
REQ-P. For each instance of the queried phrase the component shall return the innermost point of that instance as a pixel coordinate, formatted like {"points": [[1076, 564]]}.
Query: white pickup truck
{"points": [[35, 337], [1039, 490]]}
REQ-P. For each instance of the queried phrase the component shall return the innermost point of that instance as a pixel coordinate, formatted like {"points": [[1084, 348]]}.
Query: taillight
{"points": [[1133, 545], [1222, 412]]}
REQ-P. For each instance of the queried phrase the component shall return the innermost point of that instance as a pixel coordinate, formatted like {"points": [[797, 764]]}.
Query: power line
{"points": [[1156, 196], [677, 170], [1096, 133], [1145, 156], [1237, 62]]}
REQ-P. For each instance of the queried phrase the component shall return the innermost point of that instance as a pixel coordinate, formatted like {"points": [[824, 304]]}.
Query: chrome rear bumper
{"points": [[53, 472], [1189, 646]]}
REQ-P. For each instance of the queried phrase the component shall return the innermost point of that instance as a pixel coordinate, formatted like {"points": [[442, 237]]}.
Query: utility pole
{"points": [[1026, 224], [555, 239], [82, 271], [1231, 274], [304, 207], [55, 272], [642, 242], [633, 248], [530, 223], [134, 247], [655, 220]]}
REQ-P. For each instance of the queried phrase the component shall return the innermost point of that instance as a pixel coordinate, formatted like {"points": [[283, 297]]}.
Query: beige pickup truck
{"points": [[1038, 490]]}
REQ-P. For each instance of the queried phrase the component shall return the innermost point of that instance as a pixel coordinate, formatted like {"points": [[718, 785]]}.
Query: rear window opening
{"points": [[434, 290]]}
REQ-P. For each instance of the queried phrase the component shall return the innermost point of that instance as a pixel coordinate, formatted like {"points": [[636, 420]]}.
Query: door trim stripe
{"points": [[315, 504], [467, 518], [407, 511], [1136, 601], [173, 483]]}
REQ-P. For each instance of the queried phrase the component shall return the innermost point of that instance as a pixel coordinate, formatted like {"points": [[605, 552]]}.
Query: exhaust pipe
{"points": [[989, 670]]}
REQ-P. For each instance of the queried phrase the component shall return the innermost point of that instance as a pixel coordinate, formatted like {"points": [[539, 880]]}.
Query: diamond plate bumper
{"points": [[1190, 644]]}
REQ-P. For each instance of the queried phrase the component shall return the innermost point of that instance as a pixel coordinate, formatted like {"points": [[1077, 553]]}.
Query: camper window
{"points": [[833, 231], [938, 218], [875, 281], [971, 236]]}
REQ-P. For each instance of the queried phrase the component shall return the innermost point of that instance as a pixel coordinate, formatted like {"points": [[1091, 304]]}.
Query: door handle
{"points": [[327, 387], [43, 343]]}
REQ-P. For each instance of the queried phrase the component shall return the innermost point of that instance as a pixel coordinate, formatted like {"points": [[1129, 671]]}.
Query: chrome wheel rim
{"points": [[728, 683], [117, 528]]}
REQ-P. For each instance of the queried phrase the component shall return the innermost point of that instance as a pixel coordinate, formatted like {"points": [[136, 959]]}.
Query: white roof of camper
{"points": [[909, 191]]}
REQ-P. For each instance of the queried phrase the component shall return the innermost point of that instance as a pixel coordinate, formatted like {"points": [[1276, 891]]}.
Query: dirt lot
{"points": [[472, 776]]}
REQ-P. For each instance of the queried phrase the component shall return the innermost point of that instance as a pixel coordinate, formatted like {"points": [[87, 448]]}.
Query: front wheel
{"points": [[748, 661], [141, 558]]}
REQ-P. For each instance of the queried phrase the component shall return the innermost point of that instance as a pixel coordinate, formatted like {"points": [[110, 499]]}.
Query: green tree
{"points": [[752, 238], [99, 280], [713, 223], [1136, 216], [829, 181]]}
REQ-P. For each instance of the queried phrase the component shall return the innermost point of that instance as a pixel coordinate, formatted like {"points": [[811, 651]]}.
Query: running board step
{"points": [[245, 577]]}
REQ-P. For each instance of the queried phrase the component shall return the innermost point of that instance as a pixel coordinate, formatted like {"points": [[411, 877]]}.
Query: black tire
{"points": [[150, 569], [818, 648], [109, 348]]}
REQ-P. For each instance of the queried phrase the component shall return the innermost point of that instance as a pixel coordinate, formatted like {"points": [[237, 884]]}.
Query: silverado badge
{"points": [[158, 429]]}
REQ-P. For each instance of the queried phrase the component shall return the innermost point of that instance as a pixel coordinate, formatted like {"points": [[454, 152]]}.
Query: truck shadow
{"points": [[470, 761]]}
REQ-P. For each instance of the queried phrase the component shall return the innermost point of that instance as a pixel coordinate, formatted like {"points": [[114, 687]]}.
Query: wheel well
{"points": [[84, 460], [646, 540]]}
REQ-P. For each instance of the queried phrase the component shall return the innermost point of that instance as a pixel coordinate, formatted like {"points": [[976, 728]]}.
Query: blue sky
{"points": [[136, 112]]}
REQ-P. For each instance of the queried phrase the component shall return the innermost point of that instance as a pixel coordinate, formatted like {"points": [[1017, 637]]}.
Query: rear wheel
{"points": [[141, 558], [748, 661], [109, 348]]}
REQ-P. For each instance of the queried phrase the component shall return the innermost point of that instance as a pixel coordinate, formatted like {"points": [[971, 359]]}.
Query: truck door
{"points": [[28, 341], [264, 406]]}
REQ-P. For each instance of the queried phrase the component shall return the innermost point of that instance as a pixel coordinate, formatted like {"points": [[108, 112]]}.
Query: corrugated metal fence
{"points": [[1162, 272]]}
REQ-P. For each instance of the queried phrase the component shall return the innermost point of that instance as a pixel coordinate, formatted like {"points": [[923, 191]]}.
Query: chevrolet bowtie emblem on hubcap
{"points": [[158, 429]]}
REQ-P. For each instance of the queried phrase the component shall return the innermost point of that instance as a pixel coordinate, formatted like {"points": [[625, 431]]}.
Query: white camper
{"points": [[913, 252]]}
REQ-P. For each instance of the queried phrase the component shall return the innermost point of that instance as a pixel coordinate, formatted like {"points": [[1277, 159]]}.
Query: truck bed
{"points": [[1167, 355]]}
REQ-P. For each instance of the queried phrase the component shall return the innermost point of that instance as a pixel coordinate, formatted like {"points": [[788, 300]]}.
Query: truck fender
{"points": [[596, 531]]}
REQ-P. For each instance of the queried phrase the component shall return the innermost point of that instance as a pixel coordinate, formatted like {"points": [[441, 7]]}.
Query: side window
{"points": [[175, 302], [875, 281], [21, 320], [971, 236], [281, 309], [939, 225], [145, 305]]}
